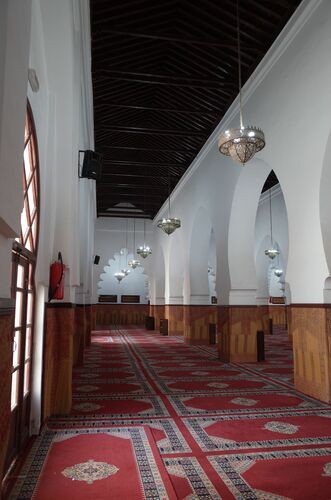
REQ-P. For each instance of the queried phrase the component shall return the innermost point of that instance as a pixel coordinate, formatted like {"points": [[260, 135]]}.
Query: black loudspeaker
{"points": [[96, 259], [92, 165]]}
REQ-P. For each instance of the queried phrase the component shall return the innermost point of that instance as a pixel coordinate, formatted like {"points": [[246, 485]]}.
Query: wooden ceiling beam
{"points": [[172, 39], [175, 150], [148, 131]]}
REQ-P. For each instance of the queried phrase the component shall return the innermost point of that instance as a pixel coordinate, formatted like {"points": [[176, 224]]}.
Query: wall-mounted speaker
{"points": [[96, 259], [92, 165]]}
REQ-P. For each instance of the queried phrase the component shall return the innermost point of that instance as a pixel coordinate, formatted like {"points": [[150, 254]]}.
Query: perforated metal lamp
{"points": [[134, 262], [272, 251], [144, 250], [241, 144], [119, 276], [169, 224]]}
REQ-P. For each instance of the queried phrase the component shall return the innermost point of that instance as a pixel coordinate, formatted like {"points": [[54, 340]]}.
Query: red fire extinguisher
{"points": [[56, 279]]}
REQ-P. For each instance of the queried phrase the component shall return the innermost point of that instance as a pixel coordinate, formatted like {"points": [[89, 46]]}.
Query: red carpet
{"points": [[154, 418]]}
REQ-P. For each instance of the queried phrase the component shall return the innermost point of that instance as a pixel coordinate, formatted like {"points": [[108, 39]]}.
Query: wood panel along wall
{"points": [[175, 316], [119, 314], [58, 358], [6, 350], [196, 323], [79, 335], [278, 314], [238, 326], [159, 313], [311, 332]]}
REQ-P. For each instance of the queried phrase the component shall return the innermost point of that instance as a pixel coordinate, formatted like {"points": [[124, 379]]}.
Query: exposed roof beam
{"points": [[192, 111], [146, 130], [99, 76], [187, 41], [158, 150]]}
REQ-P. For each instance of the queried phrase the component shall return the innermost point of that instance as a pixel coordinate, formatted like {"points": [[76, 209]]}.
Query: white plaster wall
{"points": [[176, 265], [14, 55], [288, 97], [62, 108], [111, 235]]}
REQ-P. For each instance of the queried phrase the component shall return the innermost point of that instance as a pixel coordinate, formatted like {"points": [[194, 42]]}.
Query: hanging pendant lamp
{"points": [[134, 262], [244, 142], [272, 251], [119, 276], [278, 272], [126, 269], [169, 224], [144, 250]]}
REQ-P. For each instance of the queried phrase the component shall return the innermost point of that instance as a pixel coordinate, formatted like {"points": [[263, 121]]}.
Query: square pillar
{"points": [[174, 314], [79, 335], [196, 323], [311, 331], [58, 358], [238, 325]]}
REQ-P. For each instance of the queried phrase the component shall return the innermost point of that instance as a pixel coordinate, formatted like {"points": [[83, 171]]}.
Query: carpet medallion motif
{"points": [[243, 401], [327, 470], [281, 427], [90, 471], [155, 418]]}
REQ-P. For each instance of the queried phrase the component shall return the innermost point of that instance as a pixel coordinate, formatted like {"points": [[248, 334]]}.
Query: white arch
{"points": [[199, 256], [242, 232], [262, 240]]}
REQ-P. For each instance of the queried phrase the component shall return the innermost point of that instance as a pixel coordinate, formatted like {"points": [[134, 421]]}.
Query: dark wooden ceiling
{"points": [[164, 74]]}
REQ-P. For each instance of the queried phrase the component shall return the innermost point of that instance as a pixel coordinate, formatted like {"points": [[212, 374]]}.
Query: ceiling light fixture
{"points": [[119, 276], [169, 224], [134, 262], [272, 251], [241, 143], [144, 250]]}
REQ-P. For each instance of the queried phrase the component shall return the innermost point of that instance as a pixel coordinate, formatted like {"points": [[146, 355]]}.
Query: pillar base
{"points": [[238, 325], [310, 326]]}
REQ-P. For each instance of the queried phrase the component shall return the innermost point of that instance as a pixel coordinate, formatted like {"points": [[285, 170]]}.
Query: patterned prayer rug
{"points": [[154, 418], [117, 462]]}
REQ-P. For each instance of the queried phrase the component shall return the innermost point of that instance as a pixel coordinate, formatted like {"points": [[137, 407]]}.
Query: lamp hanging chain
{"points": [[126, 244], [239, 67], [169, 193], [144, 217], [270, 217]]}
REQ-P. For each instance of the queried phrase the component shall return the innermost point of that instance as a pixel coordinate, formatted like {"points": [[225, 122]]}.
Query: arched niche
{"points": [[241, 240], [176, 268], [135, 283], [271, 216], [199, 255]]}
